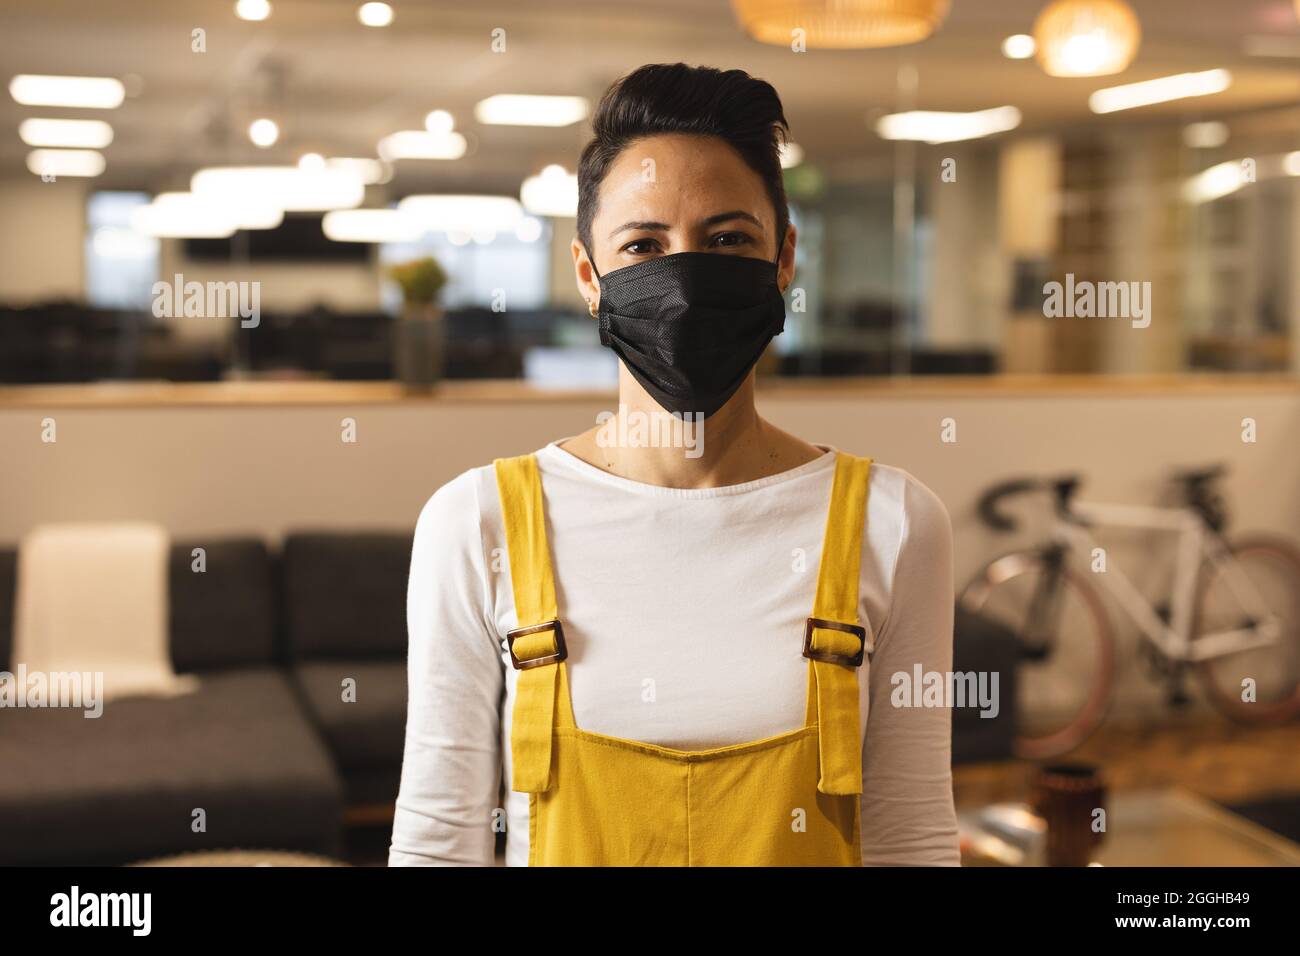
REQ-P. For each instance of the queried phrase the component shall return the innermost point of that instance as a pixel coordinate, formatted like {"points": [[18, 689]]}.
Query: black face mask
{"points": [[690, 326]]}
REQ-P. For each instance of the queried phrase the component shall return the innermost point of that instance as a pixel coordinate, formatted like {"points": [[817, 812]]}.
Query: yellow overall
{"points": [[596, 800]]}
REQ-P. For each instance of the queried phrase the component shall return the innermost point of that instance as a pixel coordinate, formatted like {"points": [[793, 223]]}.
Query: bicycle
{"points": [[1232, 614]]}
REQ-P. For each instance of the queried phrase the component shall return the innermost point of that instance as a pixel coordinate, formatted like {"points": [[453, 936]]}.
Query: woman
{"points": [[679, 655]]}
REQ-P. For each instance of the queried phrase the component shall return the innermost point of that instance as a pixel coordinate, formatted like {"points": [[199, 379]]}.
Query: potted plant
{"points": [[419, 335]]}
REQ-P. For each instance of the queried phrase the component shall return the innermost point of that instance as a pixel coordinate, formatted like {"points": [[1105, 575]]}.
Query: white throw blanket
{"points": [[93, 598]]}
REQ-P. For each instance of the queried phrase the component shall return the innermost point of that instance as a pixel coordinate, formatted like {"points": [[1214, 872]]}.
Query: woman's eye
{"points": [[727, 239], [641, 247]]}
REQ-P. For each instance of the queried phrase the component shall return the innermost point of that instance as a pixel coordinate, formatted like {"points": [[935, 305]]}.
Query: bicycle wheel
{"points": [[1272, 566], [1063, 690]]}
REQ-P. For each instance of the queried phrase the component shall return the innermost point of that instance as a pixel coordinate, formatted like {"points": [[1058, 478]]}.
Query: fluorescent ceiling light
{"points": [[369, 171], [1020, 46], [80, 92], [1214, 183], [65, 162], [466, 214], [243, 212], [176, 212], [515, 109], [934, 127], [554, 192], [529, 230], [83, 134], [1162, 90], [371, 225], [421, 144], [286, 187], [184, 216]]}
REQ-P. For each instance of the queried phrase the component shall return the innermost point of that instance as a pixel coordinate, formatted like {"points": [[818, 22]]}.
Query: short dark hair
{"points": [[661, 98]]}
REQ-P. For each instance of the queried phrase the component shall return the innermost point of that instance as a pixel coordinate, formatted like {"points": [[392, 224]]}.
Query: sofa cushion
{"points": [[124, 786], [225, 615], [345, 595], [366, 733]]}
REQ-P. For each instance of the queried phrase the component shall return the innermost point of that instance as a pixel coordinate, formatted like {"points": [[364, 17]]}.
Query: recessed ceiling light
{"points": [[516, 109], [252, 9], [439, 121], [1207, 135], [263, 132], [83, 134], [78, 92], [375, 14], [1019, 46], [1162, 90]]}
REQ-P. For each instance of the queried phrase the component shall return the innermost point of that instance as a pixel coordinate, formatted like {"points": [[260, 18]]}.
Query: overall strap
{"points": [[834, 641], [537, 644]]}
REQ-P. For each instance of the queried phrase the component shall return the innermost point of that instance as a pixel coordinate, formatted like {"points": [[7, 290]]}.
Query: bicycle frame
{"points": [[1196, 545]]}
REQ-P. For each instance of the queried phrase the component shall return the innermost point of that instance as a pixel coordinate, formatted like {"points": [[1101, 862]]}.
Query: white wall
{"points": [[267, 469], [42, 227]]}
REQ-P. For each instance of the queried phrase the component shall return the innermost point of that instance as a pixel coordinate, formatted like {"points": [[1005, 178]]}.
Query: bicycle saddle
{"points": [[1200, 476]]}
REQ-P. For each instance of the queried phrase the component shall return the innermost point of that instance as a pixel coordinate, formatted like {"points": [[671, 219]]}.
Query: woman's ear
{"points": [[584, 276], [785, 261]]}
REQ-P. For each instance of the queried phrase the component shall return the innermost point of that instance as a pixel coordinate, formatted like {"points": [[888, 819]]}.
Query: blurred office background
{"points": [[904, 269], [937, 186]]}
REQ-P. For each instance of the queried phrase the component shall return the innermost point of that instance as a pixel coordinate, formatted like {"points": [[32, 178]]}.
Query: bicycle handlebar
{"points": [[988, 505], [1062, 488]]}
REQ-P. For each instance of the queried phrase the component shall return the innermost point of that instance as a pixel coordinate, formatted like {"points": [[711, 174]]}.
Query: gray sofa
{"points": [[265, 748], [345, 619]]}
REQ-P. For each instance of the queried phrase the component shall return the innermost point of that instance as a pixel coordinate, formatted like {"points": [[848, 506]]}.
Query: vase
{"points": [[1069, 797], [419, 347]]}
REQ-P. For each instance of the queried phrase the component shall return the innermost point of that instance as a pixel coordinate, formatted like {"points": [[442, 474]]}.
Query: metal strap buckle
{"points": [[561, 652], [826, 656]]}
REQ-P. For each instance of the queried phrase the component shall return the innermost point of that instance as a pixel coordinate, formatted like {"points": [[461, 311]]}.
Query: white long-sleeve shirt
{"points": [[683, 613]]}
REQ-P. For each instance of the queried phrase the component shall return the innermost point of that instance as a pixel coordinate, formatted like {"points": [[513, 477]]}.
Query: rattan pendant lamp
{"points": [[840, 24]]}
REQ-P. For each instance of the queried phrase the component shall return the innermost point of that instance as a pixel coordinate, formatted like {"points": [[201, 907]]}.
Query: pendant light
{"points": [[1086, 37], [840, 24]]}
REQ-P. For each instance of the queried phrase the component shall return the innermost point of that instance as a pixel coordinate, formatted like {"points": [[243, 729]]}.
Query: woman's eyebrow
{"points": [[711, 221], [640, 224], [733, 214]]}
